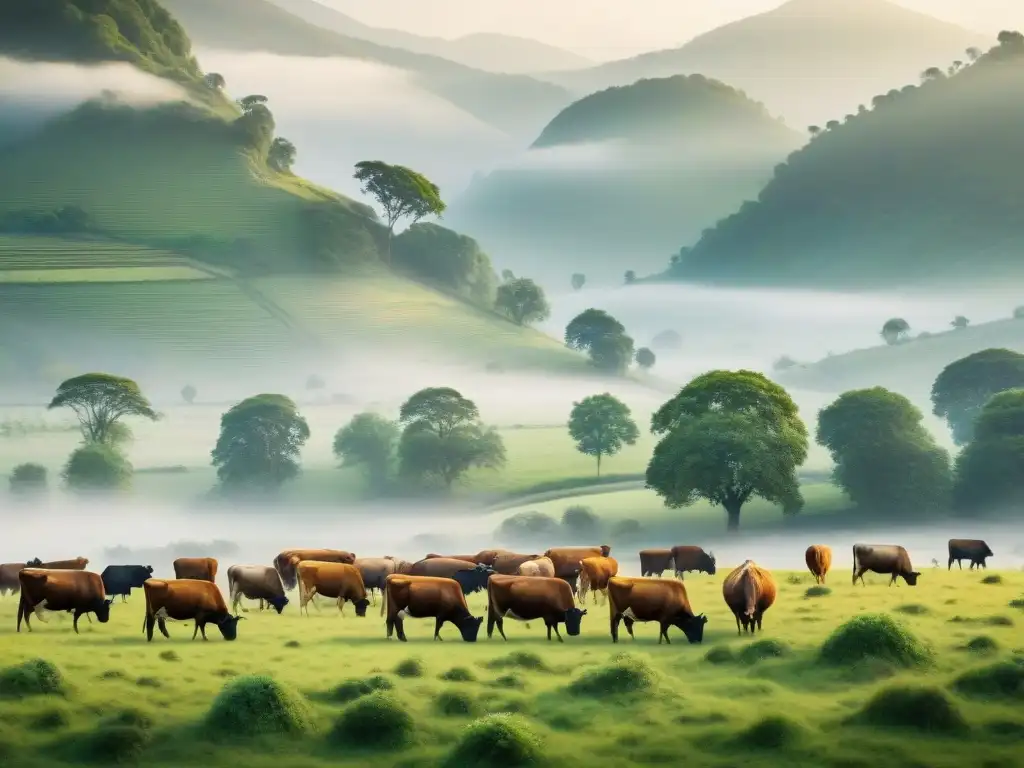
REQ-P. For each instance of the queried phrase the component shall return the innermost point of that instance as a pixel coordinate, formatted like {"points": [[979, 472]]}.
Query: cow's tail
{"points": [[492, 608], [854, 562], [584, 585], [384, 597]]}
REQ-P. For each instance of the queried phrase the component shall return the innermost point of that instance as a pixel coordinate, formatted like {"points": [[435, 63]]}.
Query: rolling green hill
{"points": [[919, 189], [618, 178]]}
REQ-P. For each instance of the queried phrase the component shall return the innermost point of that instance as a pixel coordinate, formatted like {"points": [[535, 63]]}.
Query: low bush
{"points": [[35, 677], [624, 674], [519, 660], [410, 668], [981, 644], [352, 689], [111, 744], [511, 680], [912, 707], [771, 732], [873, 636], [817, 591], [49, 720], [912, 609], [133, 717], [763, 649], [376, 721], [169, 656], [720, 654], [26, 479], [994, 578], [458, 675], [253, 705], [455, 704], [1002, 680], [493, 740]]}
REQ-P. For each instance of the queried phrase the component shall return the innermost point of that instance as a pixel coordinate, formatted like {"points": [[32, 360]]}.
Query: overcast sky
{"points": [[609, 29]]}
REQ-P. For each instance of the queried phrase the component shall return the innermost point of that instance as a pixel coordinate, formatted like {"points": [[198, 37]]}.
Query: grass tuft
{"points": [[912, 609], [111, 744], [763, 649], [458, 675], [1017, 602], [500, 739], [916, 708], [49, 720], [993, 578], [410, 668], [169, 656], [254, 705], [455, 704], [519, 660], [350, 690], [873, 636], [720, 654], [625, 674], [771, 732], [511, 680], [377, 721], [35, 677], [129, 716], [817, 591], [1002, 680], [981, 644]]}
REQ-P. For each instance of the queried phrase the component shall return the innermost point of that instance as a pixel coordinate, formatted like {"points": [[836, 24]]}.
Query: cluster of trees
{"points": [[66, 220], [578, 523], [256, 128], [606, 342]]}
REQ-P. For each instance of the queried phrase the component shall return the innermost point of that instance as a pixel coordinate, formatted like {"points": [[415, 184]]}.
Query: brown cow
{"points": [[423, 597], [883, 558], [974, 550], [198, 568], [9, 581], [567, 560], [527, 598], [341, 581], [61, 589], [256, 582], [472, 577], [594, 575], [632, 600], [507, 563], [286, 561], [654, 562], [749, 591], [542, 566], [819, 560], [690, 558], [483, 557], [187, 599], [376, 569]]}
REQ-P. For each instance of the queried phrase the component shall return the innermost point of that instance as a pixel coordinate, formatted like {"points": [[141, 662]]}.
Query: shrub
{"points": [[35, 677], [772, 732], [28, 478], [97, 467], [49, 720], [169, 656], [625, 674], [350, 690], [511, 680], [1017, 603], [581, 521], [458, 675], [981, 644], [375, 721], [912, 707], [817, 591], [720, 654], [912, 609], [500, 739], [527, 526], [132, 717], [873, 636], [410, 668], [148, 682], [763, 649], [111, 744], [252, 705], [455, 704], [995, 578], [519, 660], [1002, 680]]}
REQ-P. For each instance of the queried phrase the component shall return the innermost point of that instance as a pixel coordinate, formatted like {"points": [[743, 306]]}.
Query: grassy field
{"points": [[936, 682]]}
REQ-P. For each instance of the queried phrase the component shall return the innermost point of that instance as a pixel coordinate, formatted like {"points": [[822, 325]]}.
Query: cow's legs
{"points": [[74, 623], [616, 618], [437, 628], [663, 633], [739, 631], [162, 625], [196, 630], [390, 624], [147, 625], [557, 633], [629, 626], [400, 628], [759, 616]]}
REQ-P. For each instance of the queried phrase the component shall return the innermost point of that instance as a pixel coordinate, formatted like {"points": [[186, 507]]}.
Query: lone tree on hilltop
{"points": [[601, 425], [959, 322], [578, 281], [884, 458], [645, 358], [727, 436], [964, 386], [443, 438], [281, 155], [249, 104], [895, 330], [522, 301], [989, 469], [369, 441], [259, 444], [401, 192], [100, 401]]}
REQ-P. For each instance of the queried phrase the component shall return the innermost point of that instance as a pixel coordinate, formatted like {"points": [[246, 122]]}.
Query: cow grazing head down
{"points": [[573, 619], [361, 605], [228, 626], [693, 628], [103, 610], [469, 626], [707, 563], [474, 579], [911, 578], [279, 603]]}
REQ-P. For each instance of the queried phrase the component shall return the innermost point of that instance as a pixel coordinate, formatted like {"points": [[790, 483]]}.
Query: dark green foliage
{"points": [[458, 675], [448, 260], [336, 234], [169, 656], [67, 220], [1001, 680], [97, 467], [111, 744], [962, 389], [578, 280], [817, 591], [873, 636], [995, 578], [519, 660], [720, 654], [581, 521], [986, 470], [455, 704], [884, 458], [895, 330], [259, 444], [281, 155], [410, 668], [526, 527], [522, 301], [130, 717], [256, 705], [369, 441], [254, 129], [982, 644], [148, 682], [28, 479], [1017, 603], [601, 425], [727, 436], [912, 707], [760, 650], [49, 720], [623, 675], [771, 732], [645, 358], [511, 680], [35, 677], [100, 401], [141, 32], [912, 609], [188, 393], [376, 721], [401, 192], [603, 337], [493, 740]]}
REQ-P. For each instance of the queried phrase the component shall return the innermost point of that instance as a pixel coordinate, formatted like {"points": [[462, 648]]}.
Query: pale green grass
{"points": [[683, 704], [19, 252], [102, 275]]}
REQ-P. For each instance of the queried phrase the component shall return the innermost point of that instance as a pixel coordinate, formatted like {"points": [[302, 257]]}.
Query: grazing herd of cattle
{"points": [[524, 587]]}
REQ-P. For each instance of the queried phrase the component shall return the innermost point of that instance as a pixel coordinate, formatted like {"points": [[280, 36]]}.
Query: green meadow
{"points": [[927, 676]]}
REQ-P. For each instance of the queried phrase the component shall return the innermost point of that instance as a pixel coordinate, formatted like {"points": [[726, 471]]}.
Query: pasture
{"points": [[944, 689]]}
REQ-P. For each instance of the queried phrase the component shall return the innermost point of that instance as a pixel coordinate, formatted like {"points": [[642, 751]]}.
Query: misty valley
{"points": [[376, 397]]}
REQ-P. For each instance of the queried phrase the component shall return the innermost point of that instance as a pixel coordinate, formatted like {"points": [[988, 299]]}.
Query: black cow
{"points": [[121, 579], [474, 579]]}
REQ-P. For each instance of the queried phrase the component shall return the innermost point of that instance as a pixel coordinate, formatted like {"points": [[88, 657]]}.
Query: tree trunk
{"points": [[391, 234], [732, 511], [599, 465]]}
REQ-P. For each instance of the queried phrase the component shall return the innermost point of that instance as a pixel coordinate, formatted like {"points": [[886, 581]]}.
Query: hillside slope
{"points": [[917, 189], [617, 179], [514, 103], [489, 52], [807, 60]]}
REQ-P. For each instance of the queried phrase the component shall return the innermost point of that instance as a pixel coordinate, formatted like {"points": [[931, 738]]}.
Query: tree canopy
{"points": [[368, 441], [964, 386], [727, 436], [645, 358], [97, 467], [895, 330], [401, 192], [601, 425], [448, 260], [578, 280], [603, 337], [522, 301], [281, 155], [259, 444], [100, 401], [989, 468]]}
